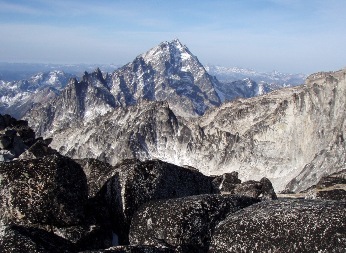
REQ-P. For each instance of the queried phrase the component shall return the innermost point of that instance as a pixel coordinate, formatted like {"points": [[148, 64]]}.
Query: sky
{"points": [[292, 36]]}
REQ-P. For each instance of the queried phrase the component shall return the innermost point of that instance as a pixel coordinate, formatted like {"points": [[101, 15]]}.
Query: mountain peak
{"points": [[168, 72], [173, 43], [168, 50], [176, 43]]}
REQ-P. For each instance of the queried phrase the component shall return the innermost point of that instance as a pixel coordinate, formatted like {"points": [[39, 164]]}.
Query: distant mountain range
{"points": [[23, 71], [17, 97], [169, 72], [274, 78]]}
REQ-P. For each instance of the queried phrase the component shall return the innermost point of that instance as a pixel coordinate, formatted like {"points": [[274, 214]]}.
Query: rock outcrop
{"points": [[184, 224], [284, 226], [79, 102], [231, 184], [38, 150], [227, 182]]}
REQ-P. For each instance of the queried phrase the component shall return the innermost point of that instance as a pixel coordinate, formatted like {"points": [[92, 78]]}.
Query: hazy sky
{"points": [[286, 35]]}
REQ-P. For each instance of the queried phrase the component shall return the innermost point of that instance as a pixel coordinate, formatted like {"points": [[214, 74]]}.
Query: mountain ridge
{"points": [[245, 135]]}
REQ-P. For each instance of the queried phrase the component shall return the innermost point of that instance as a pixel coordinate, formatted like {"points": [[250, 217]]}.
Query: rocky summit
{"points": [[52, 203], [168, 72]]}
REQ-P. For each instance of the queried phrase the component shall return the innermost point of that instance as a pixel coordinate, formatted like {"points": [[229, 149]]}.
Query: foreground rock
{"points": [[33, 240], [49, 194], [185, 224], [50, 191], [284, 226], [136, 183]]}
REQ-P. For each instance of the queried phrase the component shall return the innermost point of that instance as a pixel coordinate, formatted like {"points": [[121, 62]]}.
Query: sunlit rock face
{"points": [[331, 187]]}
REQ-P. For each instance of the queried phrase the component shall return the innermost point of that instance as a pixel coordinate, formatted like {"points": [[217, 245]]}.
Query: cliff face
{"points": [[282, 132]]}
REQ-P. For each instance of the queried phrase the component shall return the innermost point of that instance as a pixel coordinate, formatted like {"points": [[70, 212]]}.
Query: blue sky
{"points": [[286, 35]]}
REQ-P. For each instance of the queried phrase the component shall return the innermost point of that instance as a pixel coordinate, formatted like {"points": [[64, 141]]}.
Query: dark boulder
{"points": [[136, 183], [267, 189], [249, 188], [23, 239], [50, 193], [284, 226], [15, 137], [5, 141], [226, 182], [255, 189], [50, 190], [87, 237], [185, 224], [6, 121]]}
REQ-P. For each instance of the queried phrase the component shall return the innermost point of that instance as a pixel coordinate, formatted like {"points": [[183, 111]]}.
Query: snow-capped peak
{"points": [[168, 72], [168, 50]]}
